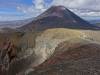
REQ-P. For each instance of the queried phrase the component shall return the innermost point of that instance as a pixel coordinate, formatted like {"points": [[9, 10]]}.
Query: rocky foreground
{"points": [[57, 51]]}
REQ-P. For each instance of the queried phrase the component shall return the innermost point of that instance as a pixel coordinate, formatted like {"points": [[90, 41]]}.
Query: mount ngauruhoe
{"points": [[57, 42], [58, 17]]}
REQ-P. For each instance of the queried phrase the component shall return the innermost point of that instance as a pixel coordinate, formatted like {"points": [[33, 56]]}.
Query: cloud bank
{"points": [[80, 7], [87, 4]]}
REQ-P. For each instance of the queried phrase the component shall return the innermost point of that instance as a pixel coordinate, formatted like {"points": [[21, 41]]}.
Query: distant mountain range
{"points": [[94, 21], [14, 24]]}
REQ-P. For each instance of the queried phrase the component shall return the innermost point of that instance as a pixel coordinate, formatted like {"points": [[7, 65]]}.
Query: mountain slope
{"points": [[79, 60], [45, 44], [57, 17]]}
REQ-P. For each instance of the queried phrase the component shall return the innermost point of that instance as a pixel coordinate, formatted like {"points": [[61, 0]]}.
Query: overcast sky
{"points": [[21, 9]]}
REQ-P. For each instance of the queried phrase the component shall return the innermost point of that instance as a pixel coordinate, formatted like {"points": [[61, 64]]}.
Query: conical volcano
{"points": [[58, 17]]}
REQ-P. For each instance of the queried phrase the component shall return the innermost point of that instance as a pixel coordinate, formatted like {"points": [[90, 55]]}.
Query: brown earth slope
{"points": [[78, 60]]}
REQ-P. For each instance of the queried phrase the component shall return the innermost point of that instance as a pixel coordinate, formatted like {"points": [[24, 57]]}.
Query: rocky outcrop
{"points": [[8, 54]]}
